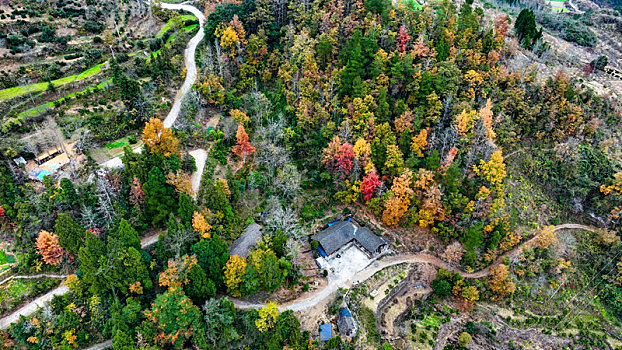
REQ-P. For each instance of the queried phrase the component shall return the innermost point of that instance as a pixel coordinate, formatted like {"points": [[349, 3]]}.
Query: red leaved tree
{"points": [[345, 158], [371, 181], [403, 38], [243, 148], [339, 158]]}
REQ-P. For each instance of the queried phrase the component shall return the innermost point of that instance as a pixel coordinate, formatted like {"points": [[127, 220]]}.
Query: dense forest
{"points": [[405, 117]]}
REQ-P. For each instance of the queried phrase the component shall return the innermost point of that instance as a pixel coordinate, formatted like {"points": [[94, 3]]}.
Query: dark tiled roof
{"points": [[368, 239], [336, 236], [243, 245], [339, 234]]}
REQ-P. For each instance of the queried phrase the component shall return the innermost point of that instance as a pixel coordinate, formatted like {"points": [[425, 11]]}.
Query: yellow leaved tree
{"points": [[159, 139], [234, 271], [267, 317], [200, 225], [419, 142]]}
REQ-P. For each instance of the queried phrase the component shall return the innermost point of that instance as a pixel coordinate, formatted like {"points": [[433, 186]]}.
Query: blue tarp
{"points": [[321, 251], [332, 223], [326, 332], [344, 312]]}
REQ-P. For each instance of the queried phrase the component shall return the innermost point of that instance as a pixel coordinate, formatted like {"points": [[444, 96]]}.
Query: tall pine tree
{"points": [[70, 234], [159, 197]]}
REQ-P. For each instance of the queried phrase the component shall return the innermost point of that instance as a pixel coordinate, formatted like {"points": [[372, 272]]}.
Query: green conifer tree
{"points": [[70, 234]]}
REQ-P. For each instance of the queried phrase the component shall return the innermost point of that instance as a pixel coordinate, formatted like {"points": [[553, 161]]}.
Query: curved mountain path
{"points": [[189, 59], [191, 77], [373, 268], [199, 155], [317, 297]]}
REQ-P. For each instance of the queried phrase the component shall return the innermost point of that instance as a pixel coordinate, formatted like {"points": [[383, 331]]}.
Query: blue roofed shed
{"points": [[326, 332], [344, 312], [346, 324]]}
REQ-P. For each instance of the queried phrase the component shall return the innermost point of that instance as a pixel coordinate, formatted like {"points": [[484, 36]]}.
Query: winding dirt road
{"points": [[200, 156], [189, 59], [375, 267], [191, 77]]}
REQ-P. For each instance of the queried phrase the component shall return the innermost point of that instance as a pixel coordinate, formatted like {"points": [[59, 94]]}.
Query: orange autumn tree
{"points": [[500, 282], [200, 225], [546, 237], [485, 114], [397, 205], [159, 139], [234, 272], [465, 122], [181, 181], [431, 207], [48, 247], [615, 189], [243, 148], [176, 274], [419, 142]]}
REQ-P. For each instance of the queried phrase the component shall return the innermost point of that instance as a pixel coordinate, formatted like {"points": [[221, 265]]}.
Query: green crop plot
{"points": [[44, 107], [13, 92], [170, 22], [115, 144]]}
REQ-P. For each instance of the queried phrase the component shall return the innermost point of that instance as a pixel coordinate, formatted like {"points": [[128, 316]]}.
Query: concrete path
{"points": [[191, 77], [200, 156], [42, 275], [117, 162], [189, 59], [33, 306], [101, 346]]}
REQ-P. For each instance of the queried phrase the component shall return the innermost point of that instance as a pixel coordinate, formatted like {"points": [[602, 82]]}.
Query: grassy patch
{"points": [[169, 24], [16, 291], [369, 322], [414, 4], [115, 144], [431, 321]]}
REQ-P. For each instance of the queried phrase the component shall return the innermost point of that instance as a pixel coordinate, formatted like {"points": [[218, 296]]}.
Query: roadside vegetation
{"points": [[405, 118]]}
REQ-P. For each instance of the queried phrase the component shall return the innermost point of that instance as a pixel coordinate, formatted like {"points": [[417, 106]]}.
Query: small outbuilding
{"points": [[247, 241], [346, 324], [326, 331]]}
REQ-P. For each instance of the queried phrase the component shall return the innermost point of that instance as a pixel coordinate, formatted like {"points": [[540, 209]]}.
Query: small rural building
{"points": [[346, 324], [326, 331], [247, 241], [344, 232], [322, 263]]}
